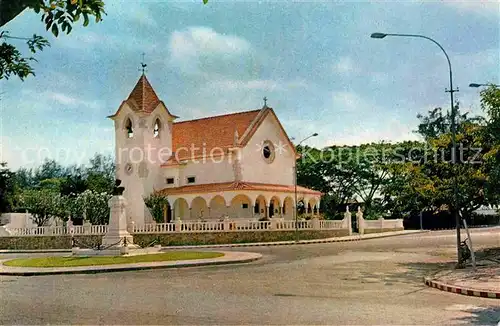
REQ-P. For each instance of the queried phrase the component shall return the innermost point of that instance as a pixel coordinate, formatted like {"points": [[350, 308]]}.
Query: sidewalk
{"points": [[485, 282], [254, 244], [230, 257]]}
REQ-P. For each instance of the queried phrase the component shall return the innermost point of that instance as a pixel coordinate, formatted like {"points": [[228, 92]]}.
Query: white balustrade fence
{"points": [[208, 226], [59, 230]]}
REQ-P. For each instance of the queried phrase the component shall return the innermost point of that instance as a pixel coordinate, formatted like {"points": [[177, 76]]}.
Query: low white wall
{"points": [[381, 223], [24, 220]]}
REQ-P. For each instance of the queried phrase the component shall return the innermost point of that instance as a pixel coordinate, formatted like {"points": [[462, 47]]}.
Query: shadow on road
{"points": [[481, 316], [403, 273]]}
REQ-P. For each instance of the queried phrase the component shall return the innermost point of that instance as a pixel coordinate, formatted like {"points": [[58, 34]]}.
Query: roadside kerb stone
{"points": [[461, 290], [483, 282], [230, 257]]}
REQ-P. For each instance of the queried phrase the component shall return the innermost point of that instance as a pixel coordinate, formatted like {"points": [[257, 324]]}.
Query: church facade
{"points": [[238, 165]]}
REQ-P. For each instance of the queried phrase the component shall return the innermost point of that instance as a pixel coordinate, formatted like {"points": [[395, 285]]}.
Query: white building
{"points": [[239, 165]]}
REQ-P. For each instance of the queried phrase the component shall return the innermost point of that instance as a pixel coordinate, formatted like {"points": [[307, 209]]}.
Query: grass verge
{"points": [[96, 260]]}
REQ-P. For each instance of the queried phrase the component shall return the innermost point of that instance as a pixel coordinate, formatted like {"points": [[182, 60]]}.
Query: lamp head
{"points": [[315, 134], [378, 35], [474, 85]]}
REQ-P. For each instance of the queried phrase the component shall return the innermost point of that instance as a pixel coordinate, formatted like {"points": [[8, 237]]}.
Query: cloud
{"points": [[72, 100], [483, 7], [138, 13], [6, 154], [188, 48], [389, 131], [197, 40], [348, 101], [345, 66], [256, 84]]}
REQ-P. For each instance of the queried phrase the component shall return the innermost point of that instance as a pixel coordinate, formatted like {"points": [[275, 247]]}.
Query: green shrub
{"points": [[156, 202]]}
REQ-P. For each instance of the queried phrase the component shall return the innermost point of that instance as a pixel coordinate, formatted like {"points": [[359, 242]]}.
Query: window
{"points": [[256, 208], [268, 151], [129, 128], [191, 180], [244, 205], [170, 181], [156, 129]]}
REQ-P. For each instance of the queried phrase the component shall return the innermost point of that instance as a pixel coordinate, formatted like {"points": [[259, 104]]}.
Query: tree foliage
{"points": [[405, 178], [56, 15], [89, 205], [7, 188], [52, 190], [157, 203], [43, 204]]}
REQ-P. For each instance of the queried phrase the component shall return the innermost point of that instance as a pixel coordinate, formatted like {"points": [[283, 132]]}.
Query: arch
{"points": [[199, 208], [301, 205], [157, 127], [260, 207], [274, 206], [312, 204], [128, 126], [241, 207], [181, 209], [288, 208], [217, 207]]}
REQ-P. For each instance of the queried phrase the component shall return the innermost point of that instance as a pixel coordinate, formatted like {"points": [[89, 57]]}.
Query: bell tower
{"points": [[143, 141]]}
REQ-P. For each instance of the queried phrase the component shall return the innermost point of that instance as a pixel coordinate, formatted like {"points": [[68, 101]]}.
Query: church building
{"points": [[239, 165]]}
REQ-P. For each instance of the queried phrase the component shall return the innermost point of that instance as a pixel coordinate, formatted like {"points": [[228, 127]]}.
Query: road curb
{"points": [[117, 268], [461, 290], [301, 242]]}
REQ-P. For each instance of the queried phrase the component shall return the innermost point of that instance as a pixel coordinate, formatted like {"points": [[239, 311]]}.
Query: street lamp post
{"points": [[482, 85], [295, 189], [453, 130]]}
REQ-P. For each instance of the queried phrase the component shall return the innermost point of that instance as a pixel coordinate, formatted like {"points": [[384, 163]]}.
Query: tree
{"points": [[101, 173], [24, 178], [72, 185], [95, 206], [43, 204], [490, 104], [49, 169], [322, 170], [57, 15], [157, 203], [345, 172], [425, 182], [7, 188]]}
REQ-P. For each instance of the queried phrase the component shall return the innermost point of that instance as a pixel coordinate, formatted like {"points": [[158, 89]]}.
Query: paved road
{"points": [[369, 282]]}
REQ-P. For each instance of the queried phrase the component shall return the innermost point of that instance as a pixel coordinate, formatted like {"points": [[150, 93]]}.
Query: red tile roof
{"points": [[197, 138], [209, 133], [228, 186], [143, 97]]}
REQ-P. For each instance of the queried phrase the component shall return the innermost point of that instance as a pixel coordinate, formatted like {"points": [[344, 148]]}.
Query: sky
{"points": [[313, 60]]}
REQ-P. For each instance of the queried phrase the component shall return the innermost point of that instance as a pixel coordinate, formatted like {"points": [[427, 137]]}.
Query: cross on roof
{"points": [[265, 101], [143, 65]]}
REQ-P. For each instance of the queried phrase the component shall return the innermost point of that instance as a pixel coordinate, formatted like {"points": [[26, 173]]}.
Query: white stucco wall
{"points": [[255, 168], [24, 220], [145, 152]]}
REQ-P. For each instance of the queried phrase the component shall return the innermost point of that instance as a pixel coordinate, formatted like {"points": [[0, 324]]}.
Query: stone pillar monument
{"points": [[347, 220], [361, 221], [117, 235]]}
